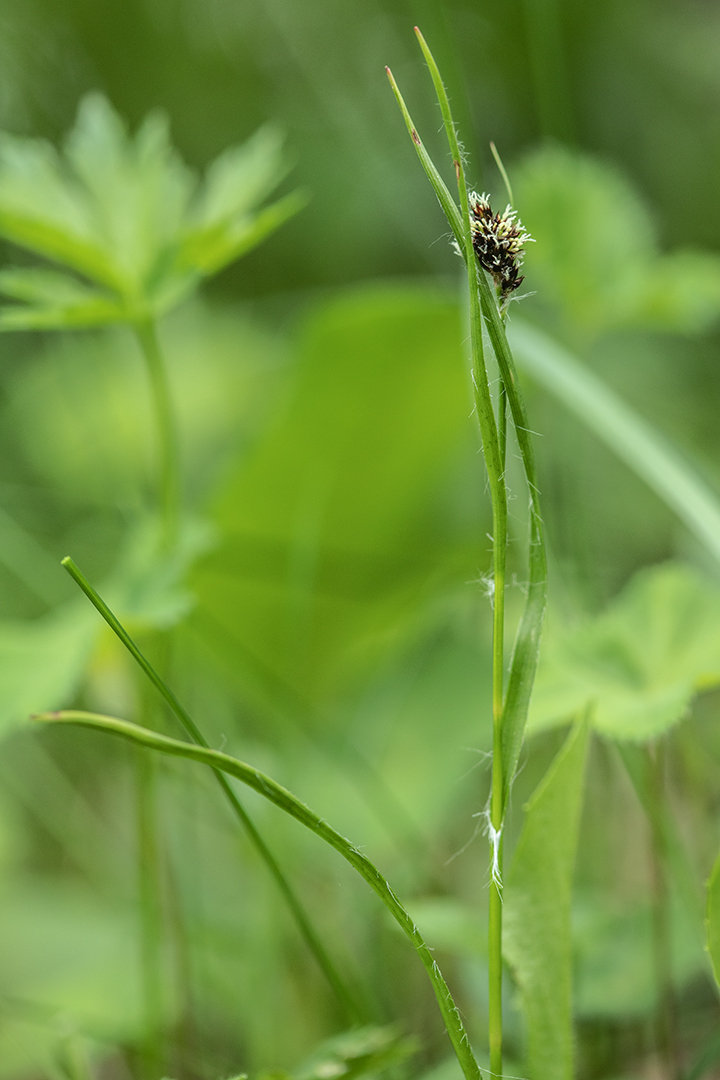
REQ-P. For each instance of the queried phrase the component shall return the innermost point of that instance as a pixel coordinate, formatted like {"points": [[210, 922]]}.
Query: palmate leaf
{"points": [[126, 213], [42, 661], [597, 259], [639, 663], [54, 299]]}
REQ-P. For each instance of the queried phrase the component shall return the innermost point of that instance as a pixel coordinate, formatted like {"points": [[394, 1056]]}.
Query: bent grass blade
{"points": [[307, 931], [272, 791]]}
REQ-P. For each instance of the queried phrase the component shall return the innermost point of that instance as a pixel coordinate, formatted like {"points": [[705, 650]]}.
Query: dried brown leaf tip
{"points": [[499, 242]]}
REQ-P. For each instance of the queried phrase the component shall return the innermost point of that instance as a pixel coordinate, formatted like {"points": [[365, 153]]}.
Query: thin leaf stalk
{"points": [[290, 804], [166, 429], [353, 1010]]}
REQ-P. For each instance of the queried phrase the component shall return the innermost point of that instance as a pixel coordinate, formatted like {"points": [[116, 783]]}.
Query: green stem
{"points": [[525, 653], [493, 452], [167, 436], [354, 1011], [150, 914], [510, 714], [281, 797]]}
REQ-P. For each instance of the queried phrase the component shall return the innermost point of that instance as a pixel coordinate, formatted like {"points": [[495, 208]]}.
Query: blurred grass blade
{"points": [[628, 435], [305, 927], [662, 821], [286, 801], [712, 919], [537, 910], [445, 199]]}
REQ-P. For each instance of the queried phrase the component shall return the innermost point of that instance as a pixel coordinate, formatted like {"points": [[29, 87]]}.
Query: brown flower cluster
{"points": [[498, 240]]}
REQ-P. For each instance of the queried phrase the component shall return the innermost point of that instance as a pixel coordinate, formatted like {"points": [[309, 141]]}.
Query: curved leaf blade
{"points": [[272, 791]]}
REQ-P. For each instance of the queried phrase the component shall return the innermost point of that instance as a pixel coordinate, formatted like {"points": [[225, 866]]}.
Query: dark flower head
{"points": [[498, 240]]}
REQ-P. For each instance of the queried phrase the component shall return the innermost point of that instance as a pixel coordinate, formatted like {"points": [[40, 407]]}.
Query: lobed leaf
{"points": [[54, 300], [125, 212], [640, 662], [597, 261]]}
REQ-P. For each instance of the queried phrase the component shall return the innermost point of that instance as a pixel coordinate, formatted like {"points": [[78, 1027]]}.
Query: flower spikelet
{"points": [[498, 241]]}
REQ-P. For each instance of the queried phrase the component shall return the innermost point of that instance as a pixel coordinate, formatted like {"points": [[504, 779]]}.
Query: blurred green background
{"points": [[330, 623]]}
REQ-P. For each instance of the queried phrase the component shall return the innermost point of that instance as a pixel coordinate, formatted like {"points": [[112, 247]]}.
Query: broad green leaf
{"points": [[330, 539], [42, 661], [138, 189], [44, 210], [625, 433], [126, 213], [639, 663], [596, 258], [537, 901], [712, 920]]}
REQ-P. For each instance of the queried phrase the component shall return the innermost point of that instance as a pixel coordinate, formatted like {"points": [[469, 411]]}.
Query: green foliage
{"points": [[627, 434], [537, 910], [362, 1052], [275, 793], [638, 664], [712, 921], [65, 961], [86, 390], [127, 215], [42, 661], [596, 256], [329, 542], [614, 974]]}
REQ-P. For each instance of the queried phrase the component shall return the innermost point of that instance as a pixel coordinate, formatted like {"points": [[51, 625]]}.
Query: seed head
{"points": [[498, 240]]}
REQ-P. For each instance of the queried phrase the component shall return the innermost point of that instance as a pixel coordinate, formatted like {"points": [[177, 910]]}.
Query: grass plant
{"points": [[134, 233]]}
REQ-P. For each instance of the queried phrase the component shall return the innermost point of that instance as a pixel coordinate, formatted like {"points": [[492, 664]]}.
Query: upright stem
{"points": [[150, 914], [167, 438], [498, 495], [496, 797]]}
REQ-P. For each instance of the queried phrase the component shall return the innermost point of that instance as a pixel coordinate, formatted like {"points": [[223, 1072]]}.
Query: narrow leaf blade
{"points": [[635, 441], [712, 919], [537, 910]]}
